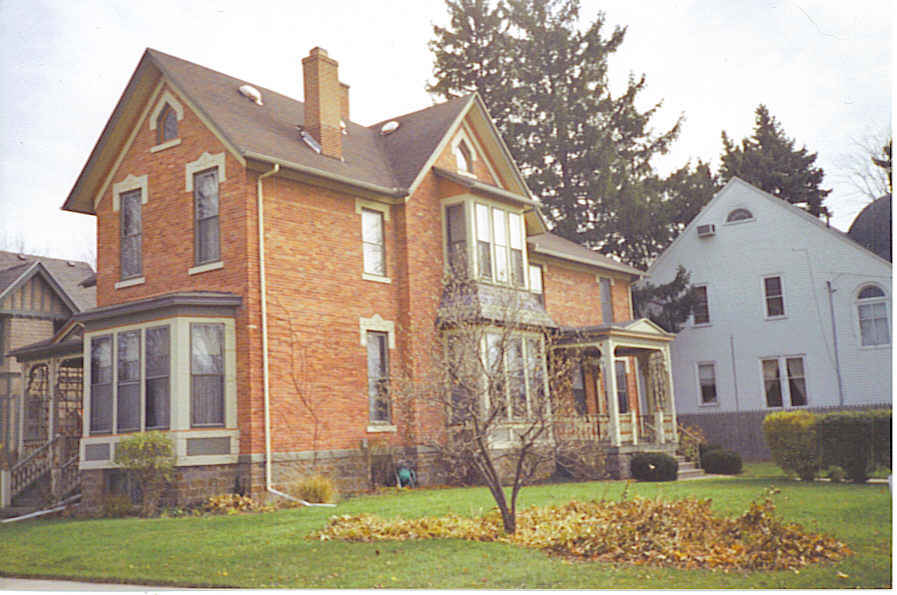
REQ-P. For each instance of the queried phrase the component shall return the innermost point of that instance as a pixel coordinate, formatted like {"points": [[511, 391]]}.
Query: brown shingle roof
{"points": [[67, 273], [554, 245]]}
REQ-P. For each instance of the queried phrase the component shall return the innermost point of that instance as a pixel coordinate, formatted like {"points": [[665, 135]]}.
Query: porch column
{"points": [[5, 499], [23, 388], [672, 401], [610, 382]]}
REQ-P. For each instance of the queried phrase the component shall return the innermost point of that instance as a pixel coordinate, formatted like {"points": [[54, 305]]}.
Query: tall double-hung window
{"points": [[515, 365], [207, 240], [207, 374], [131, 226], [872, 313], [784, 381], [500, 236], [373, 242], [378, 376]]}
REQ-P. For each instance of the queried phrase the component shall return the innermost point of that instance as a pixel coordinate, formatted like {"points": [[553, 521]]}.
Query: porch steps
{"points": [[688, 469]]}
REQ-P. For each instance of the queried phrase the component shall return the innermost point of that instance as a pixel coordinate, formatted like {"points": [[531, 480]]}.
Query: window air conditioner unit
{"points": [[706, 230]]}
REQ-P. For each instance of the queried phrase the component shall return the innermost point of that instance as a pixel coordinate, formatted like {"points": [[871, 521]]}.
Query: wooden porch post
{"points": [[5, 499], [610, 382], [672, 401]]}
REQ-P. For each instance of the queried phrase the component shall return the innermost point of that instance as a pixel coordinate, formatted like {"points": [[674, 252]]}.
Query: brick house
{"points": [[264, 263]]}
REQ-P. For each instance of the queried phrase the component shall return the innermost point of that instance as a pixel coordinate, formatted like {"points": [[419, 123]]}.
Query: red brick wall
{"points": [[573, 295]]}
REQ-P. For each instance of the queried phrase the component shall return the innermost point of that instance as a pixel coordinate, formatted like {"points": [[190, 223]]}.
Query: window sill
{"points": [[702, 325], [381, 428], [469, 174], [130, 282], [377, 278], [709, 405], [204, 268], [740, 221], [782, 317], [166, 145], [875, 347]]}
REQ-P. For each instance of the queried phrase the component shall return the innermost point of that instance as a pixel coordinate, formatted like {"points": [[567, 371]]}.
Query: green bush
{"points": [[856, 441], [654, 466], [316, 489], [117, 506], [723, 462], [836, 474], [703, 449], [148, 459], [791, 437]]}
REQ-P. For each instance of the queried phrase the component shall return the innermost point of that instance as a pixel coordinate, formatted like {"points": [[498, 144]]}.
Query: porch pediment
{"points": [[641, 332]]}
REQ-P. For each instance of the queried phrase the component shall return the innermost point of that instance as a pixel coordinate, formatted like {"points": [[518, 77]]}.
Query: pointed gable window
{"points": [[464, 157], [167, 125]]}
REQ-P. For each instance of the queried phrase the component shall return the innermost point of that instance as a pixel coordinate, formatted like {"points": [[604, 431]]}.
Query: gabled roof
{"points": [[783, 204], [388, 164], [64, 276], [554, 245]]}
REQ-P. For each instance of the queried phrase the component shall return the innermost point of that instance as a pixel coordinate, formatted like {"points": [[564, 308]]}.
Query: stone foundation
{"points": [[618, 459]]}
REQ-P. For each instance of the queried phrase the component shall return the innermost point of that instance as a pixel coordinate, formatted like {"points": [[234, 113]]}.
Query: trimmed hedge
{"points": [[723, 462], [791, 437], [654, 466], [857, 441]]}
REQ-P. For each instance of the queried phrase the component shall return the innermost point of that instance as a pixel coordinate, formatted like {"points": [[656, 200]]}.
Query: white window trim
{"points": [[376, 323], [179, 408], [130, 183], [466, 202], [701, 402], [203, 268], [709, 315], [763, 296], [730, 211], [857, 302], [166, 145], [130, 282], [783, 381], [472, 249], [167, 98], [462, 137], [205, 161], [360, 205]]}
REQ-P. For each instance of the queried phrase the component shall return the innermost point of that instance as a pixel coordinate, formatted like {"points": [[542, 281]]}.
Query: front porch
{"points": [[629, 410]]}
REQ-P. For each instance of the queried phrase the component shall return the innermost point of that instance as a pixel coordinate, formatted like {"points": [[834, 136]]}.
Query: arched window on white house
{"points": [[872, 313], [739, 215]]}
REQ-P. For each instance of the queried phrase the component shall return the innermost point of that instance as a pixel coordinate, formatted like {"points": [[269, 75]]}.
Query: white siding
{"points": [[732, 263]]}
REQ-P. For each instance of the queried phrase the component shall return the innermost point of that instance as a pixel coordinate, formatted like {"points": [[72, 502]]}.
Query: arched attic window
{"points": [[166, 125], [464, 157], [872, 313], [739, 215]]}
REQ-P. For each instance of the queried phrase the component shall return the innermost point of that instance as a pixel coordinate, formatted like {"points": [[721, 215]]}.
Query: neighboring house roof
{"points": [[872, 227], [554, 245], [65, 274], [783, 204], [388, 164]]}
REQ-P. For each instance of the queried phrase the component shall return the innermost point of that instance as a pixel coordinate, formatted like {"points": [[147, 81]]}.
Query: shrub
{"points": [[117, 505], [148, 459], [654, 466], [703, 449], [836, 474], [317, 488], [724, 462], [791, 437], [690, 440], [856, 441]]}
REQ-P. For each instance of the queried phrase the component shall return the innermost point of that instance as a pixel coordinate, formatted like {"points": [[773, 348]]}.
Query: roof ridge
{"points": [[421, 110]]}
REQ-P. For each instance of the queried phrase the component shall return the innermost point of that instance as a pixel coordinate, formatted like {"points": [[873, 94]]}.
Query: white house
{"points": [[792, 314]]}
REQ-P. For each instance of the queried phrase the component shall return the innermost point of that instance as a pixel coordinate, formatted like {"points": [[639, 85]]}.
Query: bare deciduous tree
{"points": [[867, 166]]}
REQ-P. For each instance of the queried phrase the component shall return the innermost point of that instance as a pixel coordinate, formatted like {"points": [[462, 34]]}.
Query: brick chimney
{"points": [[324, 99], [344, 103]]}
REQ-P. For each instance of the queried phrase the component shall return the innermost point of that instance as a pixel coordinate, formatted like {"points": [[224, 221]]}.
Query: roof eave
{"points": [[621, 268]]}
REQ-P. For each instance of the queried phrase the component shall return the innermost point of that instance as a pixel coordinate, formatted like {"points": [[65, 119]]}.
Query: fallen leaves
{"points": [[681, 534]]}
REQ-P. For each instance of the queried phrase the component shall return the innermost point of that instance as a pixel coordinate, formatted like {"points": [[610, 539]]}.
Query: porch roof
{"points": [[642, 330]]}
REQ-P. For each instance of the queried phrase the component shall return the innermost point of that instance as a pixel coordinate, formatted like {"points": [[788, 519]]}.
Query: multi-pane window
{"points": [[141, 392], [128, 389], [607, 306], [378, 376], [131, 234], [157, 378], [579, 390], [373, 242], [456, 239], [101, 384], [167, 125], [784, 380], [207, 247], [775, 299], [515, 375], [707, 382], [872, 312], [500, 237], [701, 308], [535, 282], [207, 374], [622, 386]]}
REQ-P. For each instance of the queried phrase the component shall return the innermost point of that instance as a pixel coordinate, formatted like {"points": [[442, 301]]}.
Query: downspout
{"points": [[264, 308], [831, 311]]}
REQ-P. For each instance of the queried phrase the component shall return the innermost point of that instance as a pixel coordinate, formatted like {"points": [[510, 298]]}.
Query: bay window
{"points": [[516, 377], [207, 374]]}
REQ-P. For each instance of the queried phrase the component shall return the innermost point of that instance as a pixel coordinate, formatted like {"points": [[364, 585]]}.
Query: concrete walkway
{"points": [[29, 584]]}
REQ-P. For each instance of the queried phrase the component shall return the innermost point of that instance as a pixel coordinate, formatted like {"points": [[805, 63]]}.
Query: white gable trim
{"points": [[166, 99]]}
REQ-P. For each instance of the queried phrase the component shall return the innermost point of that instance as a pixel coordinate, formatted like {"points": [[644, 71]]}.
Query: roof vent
{"points": [[309, 139], [22, 257], [389, 127], [71, 263], [251, 93], [342, 127], [706, 230]]}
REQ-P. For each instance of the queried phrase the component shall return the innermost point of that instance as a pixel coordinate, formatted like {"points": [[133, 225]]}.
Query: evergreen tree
{"points": [[583, 151], [769, 161]]}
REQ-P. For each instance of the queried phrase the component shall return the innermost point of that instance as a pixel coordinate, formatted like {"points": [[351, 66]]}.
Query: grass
{"points": [[271, 549]]}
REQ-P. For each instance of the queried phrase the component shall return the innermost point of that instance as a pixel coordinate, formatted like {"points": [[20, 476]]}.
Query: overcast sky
{"points": [[823, 67]]}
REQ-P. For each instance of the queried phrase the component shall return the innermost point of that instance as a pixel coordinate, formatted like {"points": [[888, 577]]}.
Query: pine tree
{"points": [[769, 161]]}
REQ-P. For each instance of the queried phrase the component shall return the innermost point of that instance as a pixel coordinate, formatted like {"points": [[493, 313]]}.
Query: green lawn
{"points": [[271, 549]]}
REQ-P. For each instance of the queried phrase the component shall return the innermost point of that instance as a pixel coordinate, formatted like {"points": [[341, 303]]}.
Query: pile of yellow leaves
{"points": [[233, 504], [682, 534]]}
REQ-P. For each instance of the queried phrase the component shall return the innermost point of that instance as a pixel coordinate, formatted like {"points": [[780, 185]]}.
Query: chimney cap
{"points": [[317, 51]]}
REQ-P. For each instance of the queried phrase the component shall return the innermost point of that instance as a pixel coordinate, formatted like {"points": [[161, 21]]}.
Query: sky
{"points": [[822, 67]]}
